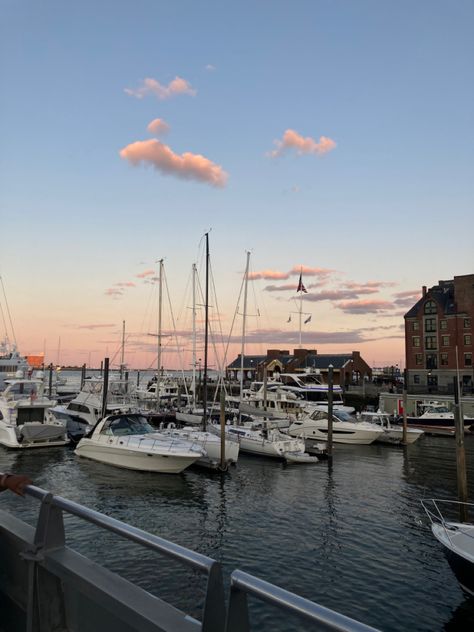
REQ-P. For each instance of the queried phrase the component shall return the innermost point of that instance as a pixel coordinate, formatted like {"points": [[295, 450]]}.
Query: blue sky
{"points": [[389, 83]]}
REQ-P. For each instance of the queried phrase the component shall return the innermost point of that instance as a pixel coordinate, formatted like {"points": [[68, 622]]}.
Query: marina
{"points": [[353, 538]]}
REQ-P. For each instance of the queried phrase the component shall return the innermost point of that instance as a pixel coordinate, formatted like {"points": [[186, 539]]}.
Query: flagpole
{"points": [[242, 353], [301, 300]]}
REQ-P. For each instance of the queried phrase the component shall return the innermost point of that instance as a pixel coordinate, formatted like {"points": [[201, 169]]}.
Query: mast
{"points": [[194, 338], [160, 308], [300, 286], [244, 322], [122, 363], [206, 332]]}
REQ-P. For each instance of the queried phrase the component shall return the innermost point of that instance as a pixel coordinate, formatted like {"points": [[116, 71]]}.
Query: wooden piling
{"points": [[405, 405], [460, 454], [330, 412], [222, 420]]}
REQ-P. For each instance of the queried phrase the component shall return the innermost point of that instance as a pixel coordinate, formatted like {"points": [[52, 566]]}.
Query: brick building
{"points": [[439, 336], [348, 368]]}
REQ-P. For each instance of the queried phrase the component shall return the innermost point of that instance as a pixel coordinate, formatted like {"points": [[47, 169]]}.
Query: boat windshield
{"points": [[341, 415], [127, 425]]}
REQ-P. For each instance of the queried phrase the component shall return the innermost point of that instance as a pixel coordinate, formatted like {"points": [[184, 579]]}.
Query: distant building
{"points": [[348, 368], [439, 336]]}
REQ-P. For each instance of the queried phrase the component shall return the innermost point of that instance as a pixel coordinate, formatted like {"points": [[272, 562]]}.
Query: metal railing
{"points": [[62, 570]]}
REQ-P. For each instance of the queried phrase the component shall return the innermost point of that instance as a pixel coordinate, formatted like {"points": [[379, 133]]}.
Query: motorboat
{"points": [[437, 418], [271, 401], [170, 392], [261, 439], [346, 429], [310, 387], [129, 441], [25, 418], [391, 433], [210, 442], [456, 537], [11, 361]]}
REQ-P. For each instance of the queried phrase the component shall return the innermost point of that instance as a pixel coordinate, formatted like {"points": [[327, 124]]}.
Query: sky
{"points": [[329, 138]]}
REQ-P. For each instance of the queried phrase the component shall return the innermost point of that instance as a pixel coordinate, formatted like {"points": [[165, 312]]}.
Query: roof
{"points": [[322, 361], [249, 360], [442, 294]]}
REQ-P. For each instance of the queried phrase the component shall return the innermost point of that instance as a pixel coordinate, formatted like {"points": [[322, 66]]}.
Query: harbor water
{"points": [[353, 538]]}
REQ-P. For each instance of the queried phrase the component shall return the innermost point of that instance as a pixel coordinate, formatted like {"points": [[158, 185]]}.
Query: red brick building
{"points": [[439, 336]]}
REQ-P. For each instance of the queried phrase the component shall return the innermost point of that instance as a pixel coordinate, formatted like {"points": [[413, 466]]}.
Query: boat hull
{"points": [[461, 565], [143, 461], [339, 435]]}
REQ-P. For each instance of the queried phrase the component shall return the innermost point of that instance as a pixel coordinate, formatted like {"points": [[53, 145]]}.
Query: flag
{"points": [[307, 320], [301, 287], [289, 319]]}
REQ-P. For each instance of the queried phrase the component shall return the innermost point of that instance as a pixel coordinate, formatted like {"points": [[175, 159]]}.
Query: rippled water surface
{"points": [[354, 539]]}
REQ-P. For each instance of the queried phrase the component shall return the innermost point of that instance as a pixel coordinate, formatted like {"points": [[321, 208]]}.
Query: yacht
{"points": [[276, 403], [391, 433], [310, 387], [211, 444], [437, 418], [261, 439], [346, 429], [25, 419], [456, 537], [128, 441], [11, 361]]}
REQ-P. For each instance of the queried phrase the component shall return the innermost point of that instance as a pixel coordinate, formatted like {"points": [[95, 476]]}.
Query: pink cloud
{"points": [[281, 288], [187, 166], [364, 306], [145, 273], [302, 145], [329, 295], [152, 86], [369, 287], [96, 326], [268, 275], [308, 271], [113, 292], [125, 284], [408, 293], [158, 126]]}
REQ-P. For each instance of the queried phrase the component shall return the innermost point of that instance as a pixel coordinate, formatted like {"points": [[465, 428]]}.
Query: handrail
{"points": [[243, 584]]}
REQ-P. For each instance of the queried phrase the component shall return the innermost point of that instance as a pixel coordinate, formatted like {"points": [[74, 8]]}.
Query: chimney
{"points": [[423, 291]]}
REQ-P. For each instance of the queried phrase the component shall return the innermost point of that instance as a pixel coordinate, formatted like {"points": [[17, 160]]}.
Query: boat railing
{"points": [[436, 515], [51, 583], [164, 443]]}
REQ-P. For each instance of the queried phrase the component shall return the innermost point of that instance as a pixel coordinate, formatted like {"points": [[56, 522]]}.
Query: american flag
{"points": [[301, 287]]}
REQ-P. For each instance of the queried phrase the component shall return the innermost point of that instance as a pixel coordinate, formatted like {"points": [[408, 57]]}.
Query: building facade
{"points": [[439, 337]]}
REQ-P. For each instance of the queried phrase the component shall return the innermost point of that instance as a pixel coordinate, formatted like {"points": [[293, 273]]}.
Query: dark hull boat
{"points": [[457, 539]]}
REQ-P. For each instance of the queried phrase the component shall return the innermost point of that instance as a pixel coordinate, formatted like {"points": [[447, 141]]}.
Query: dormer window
{"points": [[430, 307]]}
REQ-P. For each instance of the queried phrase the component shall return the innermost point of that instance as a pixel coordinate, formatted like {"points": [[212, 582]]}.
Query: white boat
{"points": [[211, 444], [275, 403], [128, 441], [310, 387], [437, 418], [456, 537], [391, 433], [261, 439], [345, 428], [25, 419], [11, 361]]}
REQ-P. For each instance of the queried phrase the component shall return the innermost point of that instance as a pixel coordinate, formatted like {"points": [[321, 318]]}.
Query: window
{"points": [[416, 379], [430, 342], [430, 307], [430, 324], [468, 359], [418, 358], [467, 340], [445, 341], [467, 323], [416, 341], [443, 324], [432, 380], [415, 326], [444, 359], [431, 361]]}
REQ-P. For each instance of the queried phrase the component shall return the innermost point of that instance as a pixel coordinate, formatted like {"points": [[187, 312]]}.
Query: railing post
{"points": [[238, 612], [213, 618]]}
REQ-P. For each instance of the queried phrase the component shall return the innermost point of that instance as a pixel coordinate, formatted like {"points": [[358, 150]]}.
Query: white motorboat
{"points": [[128, 441], [437, 418], [210, 442], [391, 433], [262, 439], [456, 537], [11, 361], [25, 419], [310, 387], [345, 428], [273, 402]]}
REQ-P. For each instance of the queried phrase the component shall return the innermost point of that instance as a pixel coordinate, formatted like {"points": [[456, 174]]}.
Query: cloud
{"points": [[152, 86], [329, 295], [111, 291], [158, 126], [277, 336], [364, 306], [145, 273], [302, 145], [96, 326], [210, 67], [186, 166], [125, 284], [268, 275], [281, 288], [370, 287], [308, 271], [416, 294]]}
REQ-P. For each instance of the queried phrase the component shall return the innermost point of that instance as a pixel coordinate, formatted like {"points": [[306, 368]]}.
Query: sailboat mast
{"points": [[160, 307], [301, 304], [122, 359], [244, 322], [206, 333], [194, 338]]}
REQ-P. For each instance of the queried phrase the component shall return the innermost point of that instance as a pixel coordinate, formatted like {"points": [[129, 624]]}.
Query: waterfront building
{"points": [[439, 337], [348, 368]]}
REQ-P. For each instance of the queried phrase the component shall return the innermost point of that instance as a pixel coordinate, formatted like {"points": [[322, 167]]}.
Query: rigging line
{"points": [[234, 319], [8, 312], [217, 310], [178, 348]]}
